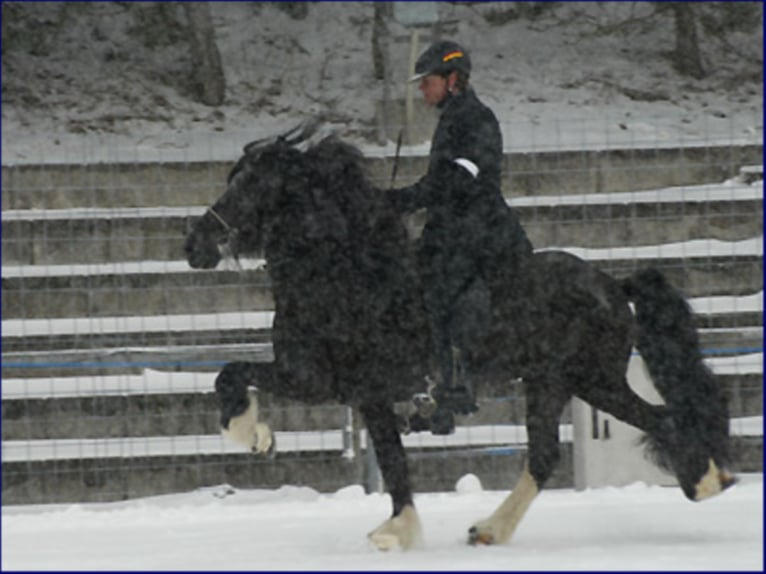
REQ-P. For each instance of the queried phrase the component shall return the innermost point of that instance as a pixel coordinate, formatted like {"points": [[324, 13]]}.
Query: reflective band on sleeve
{"points": [[472, 168]]}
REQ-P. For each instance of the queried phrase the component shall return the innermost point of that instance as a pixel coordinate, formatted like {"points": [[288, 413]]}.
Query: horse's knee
{"points": [[231, 389]]}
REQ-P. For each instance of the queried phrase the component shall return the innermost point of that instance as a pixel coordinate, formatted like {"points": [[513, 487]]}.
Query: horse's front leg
{"points": [[544, 407], [403, 529], [239, 405]]}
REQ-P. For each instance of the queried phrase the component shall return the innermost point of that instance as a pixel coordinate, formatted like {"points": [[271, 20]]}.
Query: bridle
{"points": [[228, 248], [300, 133]]}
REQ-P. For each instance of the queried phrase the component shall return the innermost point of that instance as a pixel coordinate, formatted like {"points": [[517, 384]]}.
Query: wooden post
{"points": [[409, 117]]}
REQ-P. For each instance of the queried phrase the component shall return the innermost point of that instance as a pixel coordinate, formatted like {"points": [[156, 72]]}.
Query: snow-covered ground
{"points": [[637, 527]]}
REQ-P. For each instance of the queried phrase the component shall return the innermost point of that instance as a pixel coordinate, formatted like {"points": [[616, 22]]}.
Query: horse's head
{"points": [[233, 225], [283, 200]]}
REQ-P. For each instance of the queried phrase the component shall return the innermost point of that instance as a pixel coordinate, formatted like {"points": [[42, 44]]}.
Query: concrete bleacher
{"points": [[109, 336]]}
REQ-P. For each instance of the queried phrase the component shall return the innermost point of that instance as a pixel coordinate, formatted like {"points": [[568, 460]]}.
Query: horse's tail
{"points": [[666, 338], [696, 429]]}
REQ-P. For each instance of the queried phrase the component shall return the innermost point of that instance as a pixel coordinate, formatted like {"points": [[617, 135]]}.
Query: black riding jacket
{"points": [[466, 129], [469, 224]]}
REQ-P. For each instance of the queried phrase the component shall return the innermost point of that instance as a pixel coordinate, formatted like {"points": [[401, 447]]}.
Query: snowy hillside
{"points": [[114, 84]]}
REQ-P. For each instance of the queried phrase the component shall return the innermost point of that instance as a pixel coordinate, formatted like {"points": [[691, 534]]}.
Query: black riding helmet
{"points": [[442, 58]]}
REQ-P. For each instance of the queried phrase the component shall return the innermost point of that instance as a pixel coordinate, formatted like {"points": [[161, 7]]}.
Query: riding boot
{"points": [[451, 396], [457, 395], [442, 419]]}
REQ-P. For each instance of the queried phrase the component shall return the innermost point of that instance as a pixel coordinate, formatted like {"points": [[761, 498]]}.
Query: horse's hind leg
{"points": [[545, 404], [403, 528]]}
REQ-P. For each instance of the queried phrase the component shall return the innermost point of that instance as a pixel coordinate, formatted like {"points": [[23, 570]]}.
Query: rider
{"points": [[471, 237]]}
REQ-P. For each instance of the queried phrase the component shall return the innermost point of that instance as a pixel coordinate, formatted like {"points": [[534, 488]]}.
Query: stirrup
{"points": [[435, 410]]}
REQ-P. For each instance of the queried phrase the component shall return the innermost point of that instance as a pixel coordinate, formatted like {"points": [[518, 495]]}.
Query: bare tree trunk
{"points": [[381, 59], [379, 32], [208, 72], [687, 55]]}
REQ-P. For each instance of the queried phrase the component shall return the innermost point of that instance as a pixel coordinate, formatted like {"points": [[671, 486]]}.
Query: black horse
{"points": [[350, 326]]}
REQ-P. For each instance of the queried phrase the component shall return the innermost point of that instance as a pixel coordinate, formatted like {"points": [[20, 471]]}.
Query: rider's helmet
{"points": [[441, 58]]}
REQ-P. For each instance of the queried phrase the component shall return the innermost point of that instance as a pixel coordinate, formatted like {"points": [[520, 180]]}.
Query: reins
{"points": [[396, 156]]}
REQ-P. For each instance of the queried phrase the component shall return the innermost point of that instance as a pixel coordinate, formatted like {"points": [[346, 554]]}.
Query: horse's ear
{"points": [[304, 131], [255, 144], [295, 135]]}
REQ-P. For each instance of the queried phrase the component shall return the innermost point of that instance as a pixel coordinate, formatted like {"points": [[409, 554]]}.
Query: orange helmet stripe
{"points": [[452, 55]]}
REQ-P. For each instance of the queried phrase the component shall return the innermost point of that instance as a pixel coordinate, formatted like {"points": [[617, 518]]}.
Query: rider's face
{"points": [[434, 89]]}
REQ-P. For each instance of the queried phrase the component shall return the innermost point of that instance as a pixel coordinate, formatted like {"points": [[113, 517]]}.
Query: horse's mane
{"points": [[339, 169], [338, 163], [333, 148]]}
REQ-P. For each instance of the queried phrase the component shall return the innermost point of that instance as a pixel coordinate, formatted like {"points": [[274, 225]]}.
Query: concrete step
{"points": [[729, 211], [95, 235], [122, 290], [133, 360], [751, 173], [731, 341], [122, 361], [153, 415], [127, 344], [82, 480], [191, 414], [135, 184], [698, 268], [129, 338], [186, 334], [747, 336]]}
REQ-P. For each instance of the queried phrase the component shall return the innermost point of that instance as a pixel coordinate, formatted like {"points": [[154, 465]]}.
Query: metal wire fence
{"points": [[111, 342]]}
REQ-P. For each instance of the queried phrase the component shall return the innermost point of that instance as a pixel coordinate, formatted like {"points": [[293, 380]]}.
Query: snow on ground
{"points": [[636, 527]]}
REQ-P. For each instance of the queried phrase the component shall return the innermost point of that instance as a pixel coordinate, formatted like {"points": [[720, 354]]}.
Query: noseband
{"points": [[228, 248]]}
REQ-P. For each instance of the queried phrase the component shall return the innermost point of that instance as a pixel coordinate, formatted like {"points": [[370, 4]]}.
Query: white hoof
{"points": [[402, 531], [264, 442], [714, 482], [498, 528], [486, 532], [246, 430]]}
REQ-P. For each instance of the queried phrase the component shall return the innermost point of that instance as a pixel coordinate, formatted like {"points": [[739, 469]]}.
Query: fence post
{"points": [[349, 453], [373, 482], [606, 450]]}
